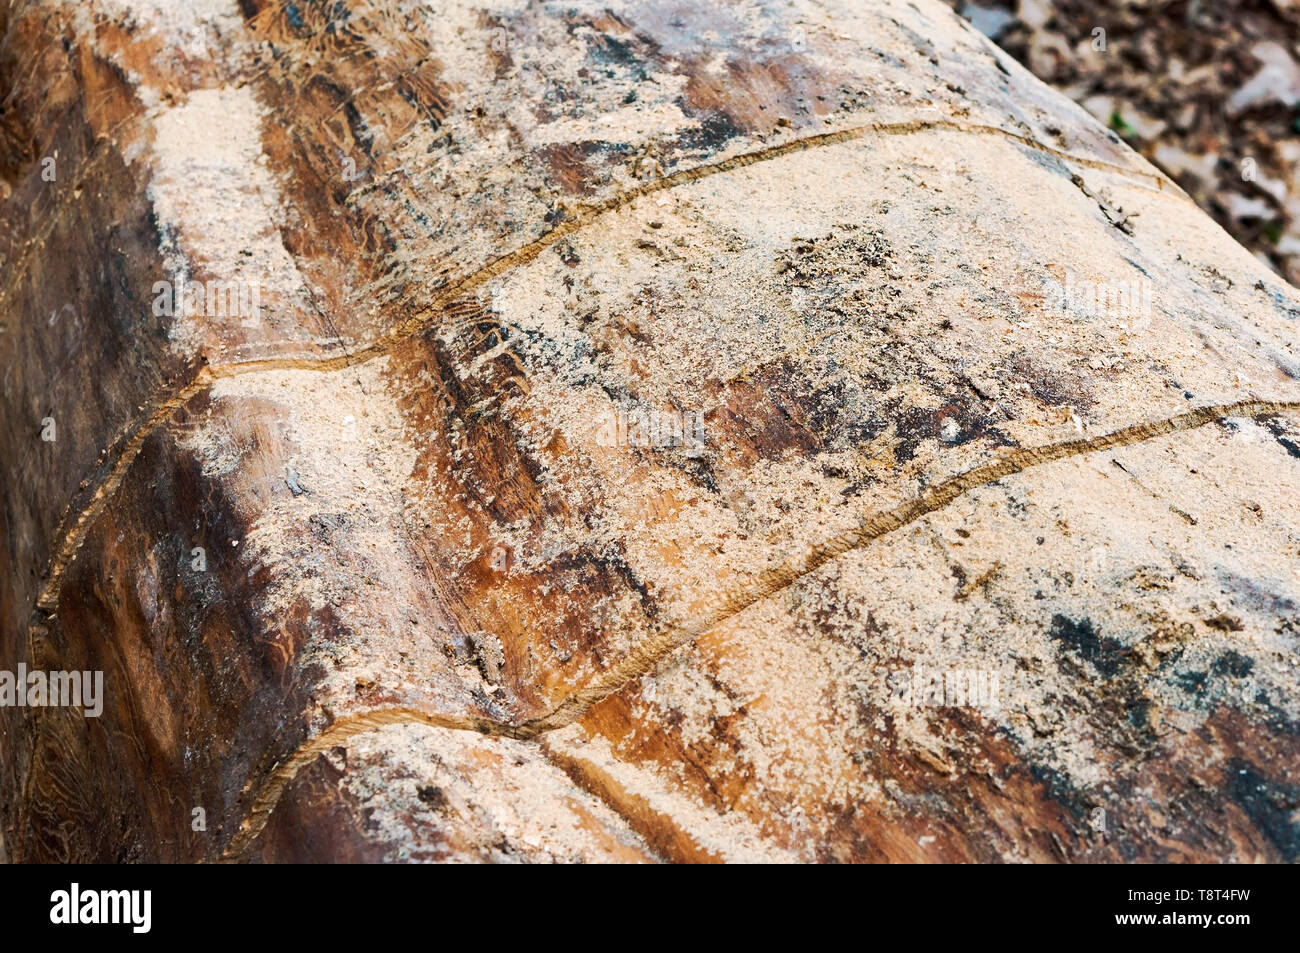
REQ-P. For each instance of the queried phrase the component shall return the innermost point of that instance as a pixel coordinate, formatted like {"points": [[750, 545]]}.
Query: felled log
{"points": [[626, 431]]}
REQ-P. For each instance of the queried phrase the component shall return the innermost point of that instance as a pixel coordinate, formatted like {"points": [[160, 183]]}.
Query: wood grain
{"points": [[441, 614]]}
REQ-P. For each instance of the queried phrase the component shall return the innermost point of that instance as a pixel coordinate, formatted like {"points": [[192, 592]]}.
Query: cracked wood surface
{"points": [[443, 618]]}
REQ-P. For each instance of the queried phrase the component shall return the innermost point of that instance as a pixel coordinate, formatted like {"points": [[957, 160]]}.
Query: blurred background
{"points": [[1208, 90]]}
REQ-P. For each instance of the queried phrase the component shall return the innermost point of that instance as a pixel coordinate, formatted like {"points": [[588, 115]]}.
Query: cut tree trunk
{"points": [[626, 431]]}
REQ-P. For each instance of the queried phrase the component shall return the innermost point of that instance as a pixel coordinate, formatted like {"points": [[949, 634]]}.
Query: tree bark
{"points": [[626, 431]]}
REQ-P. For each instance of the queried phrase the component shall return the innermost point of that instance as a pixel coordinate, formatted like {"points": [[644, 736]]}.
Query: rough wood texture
{"points": [[443, 617]]}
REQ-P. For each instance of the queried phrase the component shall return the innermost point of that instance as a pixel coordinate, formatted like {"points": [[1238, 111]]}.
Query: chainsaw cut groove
{"points": [[422, 320], [647, 654], [259, 812], [76, 534]]}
